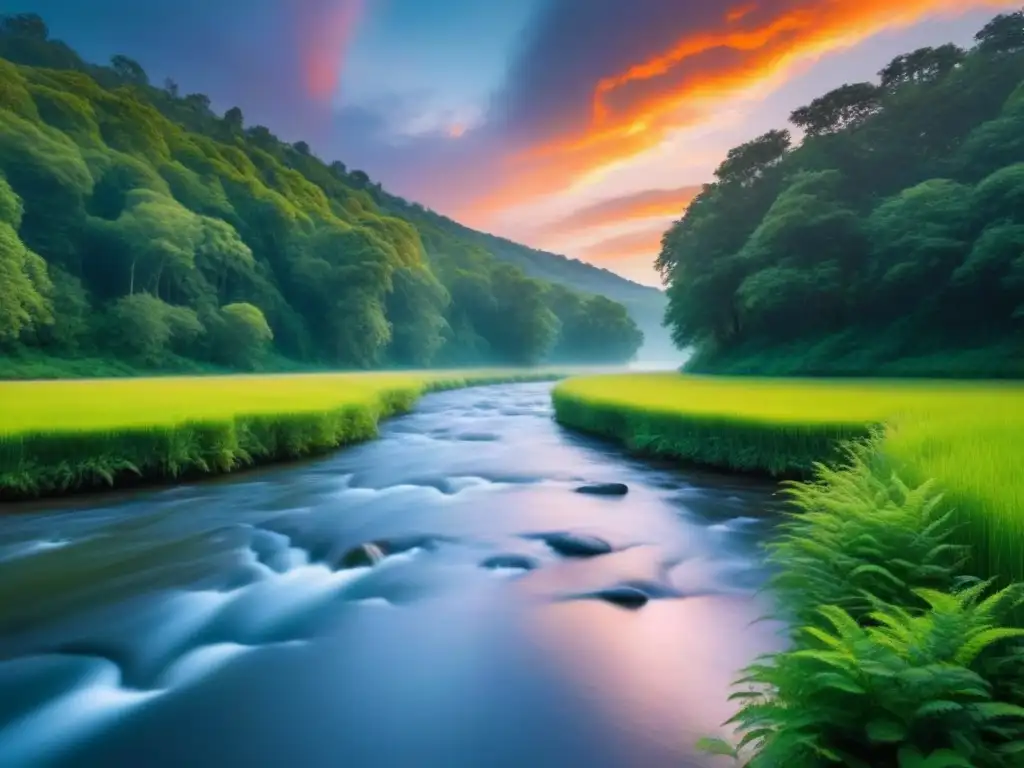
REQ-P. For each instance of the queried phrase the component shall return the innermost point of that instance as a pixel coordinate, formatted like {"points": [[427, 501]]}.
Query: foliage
{"points": [[893, 225], [60, 436], [116, 188], [241, 335], [914, 690], [143, 328], [894, 659], [25, 286], [858, 533]]}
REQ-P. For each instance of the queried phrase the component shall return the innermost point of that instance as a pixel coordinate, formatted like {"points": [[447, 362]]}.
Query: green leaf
{"points": [[715, 746], [886, 731], [942, 758], [827, 639], [937, 708], [990, 710], [974, 647], [838, 682], [878, 570]]}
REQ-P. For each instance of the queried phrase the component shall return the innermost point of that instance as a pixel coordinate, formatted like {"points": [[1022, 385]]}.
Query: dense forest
{"points": [[890, 240], [137, 225], [646, 305]]}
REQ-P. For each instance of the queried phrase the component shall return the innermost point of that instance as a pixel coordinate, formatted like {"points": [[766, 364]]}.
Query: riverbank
{"points": [[877, 572], [964, 435], [58, 437]]}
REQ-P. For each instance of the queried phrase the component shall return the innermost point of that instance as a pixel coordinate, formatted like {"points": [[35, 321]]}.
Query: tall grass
{"points": [[967, 436], [59, 436]]}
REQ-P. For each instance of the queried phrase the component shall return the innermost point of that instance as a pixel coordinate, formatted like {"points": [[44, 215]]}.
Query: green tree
{"points": [[925, 65], [158, 236], [73, 317], [25, 286], [234, 121], [748, 162], [142, 328], [129, 70], [523, 329], [1004, 34], [839, 110], [26, 25], [920, 236], [241, 336]]}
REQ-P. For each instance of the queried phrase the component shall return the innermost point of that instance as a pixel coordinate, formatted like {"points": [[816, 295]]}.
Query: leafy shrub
{"points": [[893, 661], [241, 335], [860, 533], [143, 328], [909, 692]]}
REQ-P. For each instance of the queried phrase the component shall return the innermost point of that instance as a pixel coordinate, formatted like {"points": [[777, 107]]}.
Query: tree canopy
{"points": [[892, 230], [137, 223]]}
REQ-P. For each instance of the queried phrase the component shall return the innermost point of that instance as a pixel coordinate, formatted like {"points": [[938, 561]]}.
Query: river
{"points": [[210, 624]]}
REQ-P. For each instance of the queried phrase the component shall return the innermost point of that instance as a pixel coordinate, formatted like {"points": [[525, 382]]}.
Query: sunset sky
{"points": [[579, 126]]}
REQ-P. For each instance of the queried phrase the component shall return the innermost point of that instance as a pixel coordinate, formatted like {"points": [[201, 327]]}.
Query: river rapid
{"points": [[214, 624]]}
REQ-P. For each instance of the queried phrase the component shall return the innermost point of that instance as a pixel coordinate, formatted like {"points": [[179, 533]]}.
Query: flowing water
{"points": [[214, 625]]}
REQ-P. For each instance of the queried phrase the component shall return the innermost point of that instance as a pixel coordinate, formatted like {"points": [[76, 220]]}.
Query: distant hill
{"points": [[646, 305], [138, 226]]}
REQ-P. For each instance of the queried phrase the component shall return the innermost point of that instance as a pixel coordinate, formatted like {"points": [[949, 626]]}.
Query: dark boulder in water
{"points": [[363, 556], [604, 489], [624, 596], [510, 561], [574, 545], [399, 544]]}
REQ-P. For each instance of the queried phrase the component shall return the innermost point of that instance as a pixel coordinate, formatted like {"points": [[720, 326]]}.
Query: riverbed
{"points": [[217, 624]]}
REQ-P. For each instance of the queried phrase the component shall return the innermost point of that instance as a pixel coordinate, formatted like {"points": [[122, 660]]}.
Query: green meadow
{"points": [[58, 436], [967, 436]]}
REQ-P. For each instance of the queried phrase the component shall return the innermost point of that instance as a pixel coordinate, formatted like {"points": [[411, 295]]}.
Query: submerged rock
{"points": [[604, 489], [363, 556], [510, 561], [575, 545]]}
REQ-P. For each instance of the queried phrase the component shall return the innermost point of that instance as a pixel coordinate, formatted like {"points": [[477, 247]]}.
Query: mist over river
{"points": [[219, 623]]}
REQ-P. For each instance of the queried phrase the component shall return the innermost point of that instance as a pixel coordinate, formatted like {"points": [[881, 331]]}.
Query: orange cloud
{"points": [[636, 109], [642, 205], [644, 242], [327, 33]]}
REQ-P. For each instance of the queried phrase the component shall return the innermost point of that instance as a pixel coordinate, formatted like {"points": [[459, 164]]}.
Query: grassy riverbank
{"points": [[62, 436], [965, 435]]}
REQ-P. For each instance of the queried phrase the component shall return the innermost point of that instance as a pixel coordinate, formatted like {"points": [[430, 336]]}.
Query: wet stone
{"points": [[624, 596], [510, 561], [363, 556], [604, 489], [574, 545]]}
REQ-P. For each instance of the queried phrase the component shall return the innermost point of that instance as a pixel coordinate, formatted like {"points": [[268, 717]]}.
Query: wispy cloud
{"points": [[650, 203]]}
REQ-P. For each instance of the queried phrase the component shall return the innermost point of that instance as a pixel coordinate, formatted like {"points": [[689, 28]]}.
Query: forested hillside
{"points": [[891, 240], [646, 305], [138, 225]]}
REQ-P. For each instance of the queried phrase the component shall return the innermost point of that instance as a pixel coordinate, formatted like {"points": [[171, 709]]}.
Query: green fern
{"points": [[896, 659]]}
